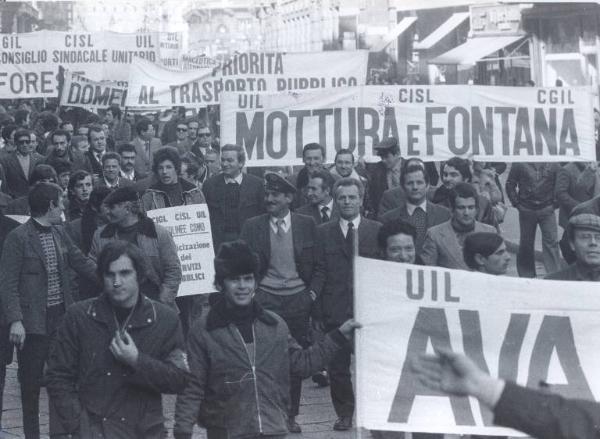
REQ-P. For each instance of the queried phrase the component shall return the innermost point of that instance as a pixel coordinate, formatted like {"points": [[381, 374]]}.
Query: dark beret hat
{"points": [[236, 258], [121, 195]]}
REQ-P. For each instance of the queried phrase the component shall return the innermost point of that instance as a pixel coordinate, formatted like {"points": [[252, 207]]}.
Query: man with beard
{"points": [[285, 244], [60, 149], [443, 246], [584, 238]]}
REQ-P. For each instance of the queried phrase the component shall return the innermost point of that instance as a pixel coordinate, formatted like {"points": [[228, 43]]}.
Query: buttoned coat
{"points": [[442, 248], [256, 232], [315, 212], [17, 183], [143, 164], [332, 280], [24, 279]]}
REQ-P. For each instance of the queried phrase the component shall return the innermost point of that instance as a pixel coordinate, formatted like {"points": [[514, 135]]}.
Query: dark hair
{"points": [[21, 133], [241, 154], [40, 196], [342, 152], [393, 228], [75, 177], [126, 147], [313, 147], [142, 125], [349, 181], [463, 190], [8, 130], [21, 116], [235, 258], [63, 124], [89, 217], [113, 251], [76, 139], [326, 178], [42, 172], [60, 132], [95, 128], [166, 153], [48, 120], [484, 243], [192, 169], [111, 155], [461, 165], [62, 166], [116, 111], [411, 169]]}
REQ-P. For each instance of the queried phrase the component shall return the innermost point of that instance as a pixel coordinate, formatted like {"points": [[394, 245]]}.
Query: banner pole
{"points": [[355, 254]]}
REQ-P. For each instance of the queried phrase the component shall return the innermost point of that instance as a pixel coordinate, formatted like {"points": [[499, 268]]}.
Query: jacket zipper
{"points": [[253, 364]]}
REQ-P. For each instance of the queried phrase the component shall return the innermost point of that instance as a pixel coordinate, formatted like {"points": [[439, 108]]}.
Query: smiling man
{"points": [[285, 244], [137, 349]]}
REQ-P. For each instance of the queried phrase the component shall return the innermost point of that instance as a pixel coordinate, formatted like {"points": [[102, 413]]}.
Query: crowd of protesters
{"points": [[88, 282]]}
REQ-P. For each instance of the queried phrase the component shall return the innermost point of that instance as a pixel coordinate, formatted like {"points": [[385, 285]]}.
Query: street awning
{"points": [[475, 49], [445, 28], [398, 30]]}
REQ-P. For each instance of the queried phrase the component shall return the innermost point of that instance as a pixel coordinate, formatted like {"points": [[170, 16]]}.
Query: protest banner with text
{"points": [[509, 124], [524, 330], [79, 91], [29, 61], [190, 228], [151, 85]]}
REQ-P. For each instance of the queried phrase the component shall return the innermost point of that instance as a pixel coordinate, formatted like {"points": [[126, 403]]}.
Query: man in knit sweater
{"points": [[285, 243]]}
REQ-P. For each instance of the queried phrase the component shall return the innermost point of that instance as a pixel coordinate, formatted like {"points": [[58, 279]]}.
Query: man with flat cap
{"points": [[583, 231], [385, 174], [126, 222], [285, 244]]}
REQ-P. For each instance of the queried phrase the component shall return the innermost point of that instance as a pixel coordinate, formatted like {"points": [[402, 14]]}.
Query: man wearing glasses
{"points": [[18, 165], [181, 143]]}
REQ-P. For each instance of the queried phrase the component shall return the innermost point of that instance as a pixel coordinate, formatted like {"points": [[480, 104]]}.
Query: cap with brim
{"points": [[275, 182], [385, 145], [585, 221]]}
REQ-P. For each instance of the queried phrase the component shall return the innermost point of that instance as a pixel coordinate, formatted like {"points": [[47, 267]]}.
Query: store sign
{"points": [[496, 19]]}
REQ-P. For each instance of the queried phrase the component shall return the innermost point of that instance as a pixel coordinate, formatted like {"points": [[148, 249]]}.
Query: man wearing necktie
{"points": [[285, 243], [320, 202], [333, 283]]}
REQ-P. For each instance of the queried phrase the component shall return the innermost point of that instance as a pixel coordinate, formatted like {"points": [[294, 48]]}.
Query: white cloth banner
{"points": [[509, 124], [190, 228], [80, 91], [524, 330], [29, 62], [151, 85]]}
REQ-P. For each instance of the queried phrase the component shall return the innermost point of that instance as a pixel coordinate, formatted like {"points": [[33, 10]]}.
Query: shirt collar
{"points": [[410, 208], [328, 205], [237, 179], [110, 186], [287, 222], [344, 224], [130, 176]]}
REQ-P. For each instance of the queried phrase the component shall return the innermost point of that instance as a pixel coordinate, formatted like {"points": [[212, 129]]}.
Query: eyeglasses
{"points": [[24, 142], [181, 129], [204, 134]]}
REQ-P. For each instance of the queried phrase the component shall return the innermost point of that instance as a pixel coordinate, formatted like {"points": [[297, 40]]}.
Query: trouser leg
{"points": [[340, 383], [525, 255], [549, 229]]}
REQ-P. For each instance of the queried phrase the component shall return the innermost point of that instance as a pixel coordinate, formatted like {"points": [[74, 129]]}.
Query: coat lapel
{"points": [[265, 236], [296, 236], [16, 165], [34, 241], [341, 239]]}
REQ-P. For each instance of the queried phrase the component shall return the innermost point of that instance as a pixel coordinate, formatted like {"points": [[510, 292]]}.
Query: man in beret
{"points": [[385, 174], [126, 222], [285, 244], [241, 357], [584, 238]]}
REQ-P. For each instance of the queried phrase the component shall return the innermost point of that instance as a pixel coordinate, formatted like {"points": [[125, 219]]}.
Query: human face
{"points": [[465, 211], [69, 129], [149, 133], [24, 146], [98, 141], [34, 141], [390, 160], [230, 165], [63, 179], [344, 164], [110, 170], [586, 245], [55, 211], [193, 130], [205, 137], [121, 283], [313, 159], [315, 192], [497, 262], [239, 290], [416, 187], [128, 161], [181, 131], [166, 172], [83, 188], [60, 145], [277, 203], [400, 248], [118, 213], [348, 201], [83, 145], [108, 117], [83, 131], [212, 163], [451, 176]]}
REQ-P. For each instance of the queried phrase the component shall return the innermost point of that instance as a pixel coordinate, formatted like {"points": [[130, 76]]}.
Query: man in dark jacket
{"points": [[114, 356], [241, 357], [285, 243]]}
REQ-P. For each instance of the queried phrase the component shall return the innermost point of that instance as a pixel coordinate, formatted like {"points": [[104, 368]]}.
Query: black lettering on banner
{"points": [[337, 132], [453, 115], [147, 96], [390, 128], [283, 130], [508, 366], [556, 334], [251, 136], [430, 130], [430, 325], [299, 115], [545, 130], [363, 131], [411, 140], [522, 128], [322, 114], [504, 112], [419, 294], [569, 130], [482, 132]]}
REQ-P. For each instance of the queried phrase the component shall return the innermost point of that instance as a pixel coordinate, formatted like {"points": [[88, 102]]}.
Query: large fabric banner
{"points": [[190, 228], [29, 62], [509, 124], [535, 332], [80, 91], [151, 85]]}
